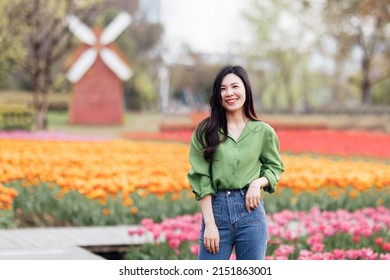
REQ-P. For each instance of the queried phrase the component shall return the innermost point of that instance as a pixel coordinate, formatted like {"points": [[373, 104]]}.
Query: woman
{"points": [[233, 157]]}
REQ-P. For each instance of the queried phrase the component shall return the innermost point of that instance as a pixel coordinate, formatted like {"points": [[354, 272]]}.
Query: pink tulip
{"points": [[156, 231], [305, 255], [366, 231], [195, 249], [368, 254], [284, 250], [355, 238], [147, 222], [174, 244], [139, 231], [379, 241], [317, 247], [316, 238], [338, 254], [317, 256], [328, 256], [329, 231], [385, 256], [170, 234], [386, 246], [353, 254]]}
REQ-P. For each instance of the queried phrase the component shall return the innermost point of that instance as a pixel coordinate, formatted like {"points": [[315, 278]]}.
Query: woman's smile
{"points": [[231, 101]]}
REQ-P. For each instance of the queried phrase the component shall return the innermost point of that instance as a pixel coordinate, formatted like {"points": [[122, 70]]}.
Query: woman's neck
{"points": [[236, 120]]}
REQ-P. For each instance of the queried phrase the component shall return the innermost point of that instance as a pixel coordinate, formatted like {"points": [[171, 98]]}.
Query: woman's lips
{"points": [[231, 100]]}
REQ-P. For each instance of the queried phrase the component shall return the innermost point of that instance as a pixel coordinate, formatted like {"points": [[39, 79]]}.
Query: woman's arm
{"points": [[211, 233], [272, 165]]}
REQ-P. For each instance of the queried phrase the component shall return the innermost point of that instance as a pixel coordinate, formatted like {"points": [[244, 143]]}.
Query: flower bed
{"points": [[363, 234], [330, 203], [320, 141], [103, 169]]}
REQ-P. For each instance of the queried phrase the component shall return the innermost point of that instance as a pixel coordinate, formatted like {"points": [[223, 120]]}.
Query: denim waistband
{"points": [[235, 192]]}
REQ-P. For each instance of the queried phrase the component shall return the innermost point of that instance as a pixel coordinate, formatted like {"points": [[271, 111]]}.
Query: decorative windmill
{"points": [[97, 73]]}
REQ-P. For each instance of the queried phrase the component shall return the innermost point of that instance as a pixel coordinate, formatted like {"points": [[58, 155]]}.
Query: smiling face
{"points": [[233, 94]]}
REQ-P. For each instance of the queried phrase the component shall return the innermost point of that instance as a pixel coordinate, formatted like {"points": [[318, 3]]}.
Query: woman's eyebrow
{"points": [[223, 85]]}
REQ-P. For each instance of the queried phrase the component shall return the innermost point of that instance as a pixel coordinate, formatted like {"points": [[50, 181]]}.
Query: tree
{"points": [[12, 50], [278, 50], [40, 24], [361, 24]]}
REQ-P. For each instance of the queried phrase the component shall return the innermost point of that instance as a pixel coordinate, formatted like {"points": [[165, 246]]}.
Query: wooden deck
{"points": [[80, 243]]}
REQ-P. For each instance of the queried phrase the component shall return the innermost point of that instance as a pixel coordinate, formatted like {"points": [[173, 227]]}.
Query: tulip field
{"points": [[332, 202]]}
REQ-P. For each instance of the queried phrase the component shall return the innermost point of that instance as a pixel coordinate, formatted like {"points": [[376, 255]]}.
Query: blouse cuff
{"points": [[271, 180], [203, 193]]}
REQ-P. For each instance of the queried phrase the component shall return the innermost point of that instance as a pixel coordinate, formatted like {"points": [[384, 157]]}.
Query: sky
{"points": [[208, 26]]}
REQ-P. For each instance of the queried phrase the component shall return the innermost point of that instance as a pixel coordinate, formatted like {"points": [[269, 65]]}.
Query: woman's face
{"points": [[233, 93]]}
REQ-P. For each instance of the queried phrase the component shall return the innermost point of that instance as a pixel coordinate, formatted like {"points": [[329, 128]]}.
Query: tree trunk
{"points": [[305, 96], [336, 82], [366, 84], [41, 120], [274, 101], [289, 93]]}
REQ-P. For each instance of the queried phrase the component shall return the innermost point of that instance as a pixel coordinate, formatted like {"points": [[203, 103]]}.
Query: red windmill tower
{"points": [[97, 74]]}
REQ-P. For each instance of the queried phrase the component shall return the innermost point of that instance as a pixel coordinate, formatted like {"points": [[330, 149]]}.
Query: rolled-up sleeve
{"points": [[199, 173], [272, 165]]}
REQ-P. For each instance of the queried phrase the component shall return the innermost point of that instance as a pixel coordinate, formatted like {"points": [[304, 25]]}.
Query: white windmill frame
{"points": [[97, 47]]}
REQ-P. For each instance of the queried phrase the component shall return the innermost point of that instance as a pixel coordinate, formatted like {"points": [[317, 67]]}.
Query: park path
{"points": [[64, 243]]}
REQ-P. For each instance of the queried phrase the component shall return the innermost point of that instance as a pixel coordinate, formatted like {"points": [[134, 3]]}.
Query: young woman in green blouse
{"points": [[233, 157]]}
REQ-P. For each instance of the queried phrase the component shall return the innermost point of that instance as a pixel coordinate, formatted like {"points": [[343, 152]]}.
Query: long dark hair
{"points": [[207, 130]]}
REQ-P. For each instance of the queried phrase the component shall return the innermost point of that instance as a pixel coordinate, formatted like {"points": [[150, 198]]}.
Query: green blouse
{"points": [[237, 163]]}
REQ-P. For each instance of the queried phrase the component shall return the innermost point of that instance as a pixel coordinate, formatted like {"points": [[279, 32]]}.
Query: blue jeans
{"points": [[246, 232]]}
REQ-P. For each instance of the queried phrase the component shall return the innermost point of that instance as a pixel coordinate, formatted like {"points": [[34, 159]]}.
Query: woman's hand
{"points": [[211, 238], [253, 195]]}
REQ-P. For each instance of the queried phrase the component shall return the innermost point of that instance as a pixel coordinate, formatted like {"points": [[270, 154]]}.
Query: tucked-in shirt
{"points": [[238, 162]]}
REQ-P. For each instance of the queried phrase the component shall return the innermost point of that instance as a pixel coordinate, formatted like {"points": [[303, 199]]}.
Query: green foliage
{"points": [[6, 219], [381, 93], [322, 199], [46, 205], [11, 45], [147, 94], [16, 117], [160, 251]]}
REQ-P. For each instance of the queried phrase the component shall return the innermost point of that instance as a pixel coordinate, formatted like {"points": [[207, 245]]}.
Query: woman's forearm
{"points": [[261, 182], [207, 210]]}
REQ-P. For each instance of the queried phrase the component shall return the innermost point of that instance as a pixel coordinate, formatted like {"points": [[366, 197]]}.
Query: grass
{"points": [[143, 121]]}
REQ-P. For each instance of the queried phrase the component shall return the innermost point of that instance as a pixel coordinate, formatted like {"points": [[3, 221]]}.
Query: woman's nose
{"points": [[229, 91]]}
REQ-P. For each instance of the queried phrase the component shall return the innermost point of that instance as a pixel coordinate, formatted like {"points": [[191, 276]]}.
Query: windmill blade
{"points": [[81, 66], [116, 64], [80, 30], [115, 28]]}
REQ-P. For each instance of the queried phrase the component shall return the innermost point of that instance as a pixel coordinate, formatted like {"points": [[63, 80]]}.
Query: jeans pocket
{"points": [[256, 216]]}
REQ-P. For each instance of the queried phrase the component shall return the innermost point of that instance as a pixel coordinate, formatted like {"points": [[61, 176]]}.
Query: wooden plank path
{"points": [[78, 243]]}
